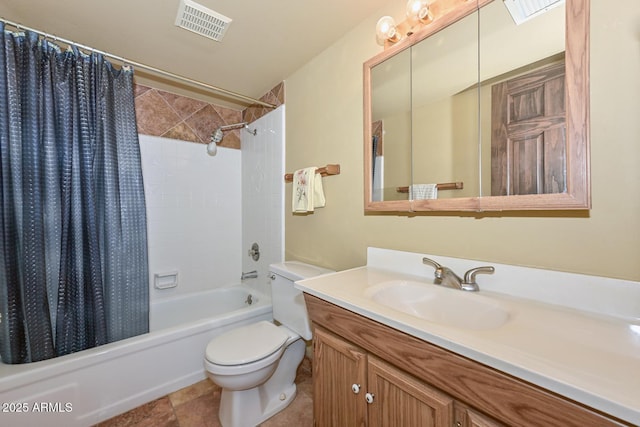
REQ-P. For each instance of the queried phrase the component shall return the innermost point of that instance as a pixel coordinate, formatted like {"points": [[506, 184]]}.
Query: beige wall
{"points": [[324, 125]]}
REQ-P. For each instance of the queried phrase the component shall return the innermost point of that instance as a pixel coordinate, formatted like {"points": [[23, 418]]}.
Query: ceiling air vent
{"points": [[201, 20], [523, 10]]}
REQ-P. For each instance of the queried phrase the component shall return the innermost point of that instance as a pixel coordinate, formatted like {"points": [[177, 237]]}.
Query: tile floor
{"points": [[197, 406]]}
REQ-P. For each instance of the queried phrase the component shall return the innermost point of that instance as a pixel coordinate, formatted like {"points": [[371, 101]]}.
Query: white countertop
{"points": [[588, 357]]}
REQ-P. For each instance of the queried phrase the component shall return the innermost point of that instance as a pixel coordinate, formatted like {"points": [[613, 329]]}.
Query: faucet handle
{"points": [[438, 267], [470, 276], [431, 262]]}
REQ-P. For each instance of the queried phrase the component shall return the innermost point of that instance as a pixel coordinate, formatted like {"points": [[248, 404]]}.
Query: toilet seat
{"points": [[246, 344]]}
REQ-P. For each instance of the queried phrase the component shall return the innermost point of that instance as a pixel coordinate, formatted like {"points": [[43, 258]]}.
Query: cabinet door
{"points": [[467, 417], [401, 400], [337, 366]]}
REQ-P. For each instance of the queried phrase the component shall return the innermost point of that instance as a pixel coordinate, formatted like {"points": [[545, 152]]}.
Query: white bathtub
{"points": [[87, 387]]}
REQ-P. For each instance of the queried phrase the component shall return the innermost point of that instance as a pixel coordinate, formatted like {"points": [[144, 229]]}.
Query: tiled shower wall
{"points": [[204, 212], [263, 195], [164, 114], [194, 211]]}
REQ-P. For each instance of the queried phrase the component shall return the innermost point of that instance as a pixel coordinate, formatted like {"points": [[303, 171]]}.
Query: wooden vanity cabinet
{"points": [[353, 388], [415, 383]]}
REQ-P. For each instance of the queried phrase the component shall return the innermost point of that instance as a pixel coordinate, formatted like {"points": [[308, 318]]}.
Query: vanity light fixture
{"points": [[417, 13]]}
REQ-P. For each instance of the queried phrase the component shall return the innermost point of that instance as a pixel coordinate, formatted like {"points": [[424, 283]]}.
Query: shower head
{"points": [[216, 136], [212, 148]]}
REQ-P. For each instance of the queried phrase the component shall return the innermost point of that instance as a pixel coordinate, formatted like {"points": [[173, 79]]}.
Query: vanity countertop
{"points": [[588, 357]]}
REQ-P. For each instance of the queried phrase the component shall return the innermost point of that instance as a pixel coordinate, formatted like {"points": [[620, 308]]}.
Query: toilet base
{"points": [[245, 408]]}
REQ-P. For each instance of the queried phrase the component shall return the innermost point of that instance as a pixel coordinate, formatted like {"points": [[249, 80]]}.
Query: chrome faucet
{"points": [[250, 275], [446, 277]]}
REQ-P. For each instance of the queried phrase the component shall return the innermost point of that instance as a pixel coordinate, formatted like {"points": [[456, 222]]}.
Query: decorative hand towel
{"points": [[307, 190], [318, 192], [423, 191]]}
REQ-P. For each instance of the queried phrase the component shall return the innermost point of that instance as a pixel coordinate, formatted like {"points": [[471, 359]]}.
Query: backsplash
{"points": [[165, 114]]}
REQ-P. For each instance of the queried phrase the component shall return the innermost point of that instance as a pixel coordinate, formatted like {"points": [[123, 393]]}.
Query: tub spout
{"points": [[250, 275]]}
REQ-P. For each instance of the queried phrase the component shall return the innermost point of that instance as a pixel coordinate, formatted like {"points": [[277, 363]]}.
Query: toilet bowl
{"points": [[246, 356], [256, 364]]}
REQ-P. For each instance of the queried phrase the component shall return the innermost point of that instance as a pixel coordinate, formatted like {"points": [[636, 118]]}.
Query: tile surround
{"points": [[194, 213], [240, 193], [263, 197], [274, 96], [165, 114]]}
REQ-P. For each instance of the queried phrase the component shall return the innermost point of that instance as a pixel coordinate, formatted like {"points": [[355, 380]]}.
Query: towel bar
{"points": [[443, 186], [324, 171]]}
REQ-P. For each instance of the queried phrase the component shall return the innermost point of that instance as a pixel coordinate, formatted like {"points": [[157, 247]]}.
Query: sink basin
{"points": [[441, 305]]}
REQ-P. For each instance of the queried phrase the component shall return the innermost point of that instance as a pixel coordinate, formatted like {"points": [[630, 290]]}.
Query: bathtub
{"points": [[90, 386]]}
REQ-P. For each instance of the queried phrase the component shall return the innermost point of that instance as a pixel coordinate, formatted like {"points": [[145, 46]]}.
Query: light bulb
{"points": [[386, 29], [418, 10]]}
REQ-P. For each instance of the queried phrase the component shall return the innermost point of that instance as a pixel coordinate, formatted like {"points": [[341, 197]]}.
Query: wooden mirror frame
{"points": [[578, 194]]}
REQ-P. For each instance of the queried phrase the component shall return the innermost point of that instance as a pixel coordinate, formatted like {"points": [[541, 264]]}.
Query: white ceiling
{"points": [[266, 42]]}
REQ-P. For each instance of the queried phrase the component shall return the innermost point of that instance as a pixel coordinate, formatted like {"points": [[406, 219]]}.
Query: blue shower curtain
{"points": [[73, 244]]}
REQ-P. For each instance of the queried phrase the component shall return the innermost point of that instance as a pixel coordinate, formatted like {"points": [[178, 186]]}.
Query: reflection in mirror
{"points": [[523, 102], [444, 70], [391, 127]]}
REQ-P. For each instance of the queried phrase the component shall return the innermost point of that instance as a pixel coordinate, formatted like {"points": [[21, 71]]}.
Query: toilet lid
{"points": [[246, 344]]}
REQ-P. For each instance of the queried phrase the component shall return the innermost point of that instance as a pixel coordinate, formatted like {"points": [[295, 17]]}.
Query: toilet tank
{"points": [[288, 302]]}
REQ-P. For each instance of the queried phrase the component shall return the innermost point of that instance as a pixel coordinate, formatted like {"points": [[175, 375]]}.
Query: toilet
{"points": [[256, 364]]}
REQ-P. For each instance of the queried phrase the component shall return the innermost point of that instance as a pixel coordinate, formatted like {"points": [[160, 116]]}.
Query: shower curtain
{"points": [[73, 244]]}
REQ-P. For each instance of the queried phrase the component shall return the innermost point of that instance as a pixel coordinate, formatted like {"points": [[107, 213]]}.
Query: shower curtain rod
{"points": [[135, 64]]}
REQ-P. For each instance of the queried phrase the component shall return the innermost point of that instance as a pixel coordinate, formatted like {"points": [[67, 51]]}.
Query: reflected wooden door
{"points": [[528, 134]]}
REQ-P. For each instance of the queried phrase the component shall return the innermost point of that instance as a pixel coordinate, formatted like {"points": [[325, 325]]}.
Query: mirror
{"points": [[463, 103], [444, 71], [391, 127]]}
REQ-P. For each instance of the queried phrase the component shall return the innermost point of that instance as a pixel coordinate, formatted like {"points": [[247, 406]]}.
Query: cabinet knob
{"points": [[355, 388], [369, 397]]}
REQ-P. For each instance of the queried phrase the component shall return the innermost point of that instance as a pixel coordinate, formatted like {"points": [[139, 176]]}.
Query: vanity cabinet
{"points": [[414, 382], [352, 387]]}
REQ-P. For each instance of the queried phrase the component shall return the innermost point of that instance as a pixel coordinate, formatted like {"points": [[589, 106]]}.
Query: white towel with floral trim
{"points": [[308, 193]]}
